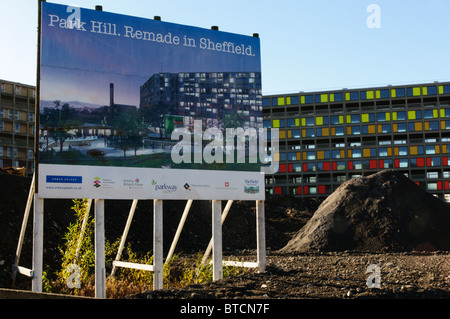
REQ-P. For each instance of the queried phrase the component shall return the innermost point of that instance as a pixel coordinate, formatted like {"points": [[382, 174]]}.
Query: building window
{"points": [[16, 115], [30, 154], [2, 125], [399, 116], [17, 127]]}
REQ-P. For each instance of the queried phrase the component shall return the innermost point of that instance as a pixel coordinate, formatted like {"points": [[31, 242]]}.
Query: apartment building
{"points": [[17, 118], [329, 137]]}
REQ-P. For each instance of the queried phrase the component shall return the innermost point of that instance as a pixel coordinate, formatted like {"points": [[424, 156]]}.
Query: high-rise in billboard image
{"points": [[137, 108]]}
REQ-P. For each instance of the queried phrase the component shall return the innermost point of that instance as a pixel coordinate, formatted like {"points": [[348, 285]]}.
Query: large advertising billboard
{"points": [[134, 108]]}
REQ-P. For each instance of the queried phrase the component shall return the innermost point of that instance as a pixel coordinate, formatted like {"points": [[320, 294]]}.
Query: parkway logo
{"points": [[97, 182]]}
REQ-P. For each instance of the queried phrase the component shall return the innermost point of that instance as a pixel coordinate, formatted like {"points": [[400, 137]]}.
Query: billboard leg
{"points": [[100, 275], [217, 239], [157, 244], [260, 235], [38, 243]]}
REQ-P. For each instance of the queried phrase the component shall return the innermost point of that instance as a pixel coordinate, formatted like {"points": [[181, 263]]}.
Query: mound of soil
{"points": [[385, 211]]}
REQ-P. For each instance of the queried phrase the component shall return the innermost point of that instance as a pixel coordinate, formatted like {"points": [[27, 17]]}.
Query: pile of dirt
{"points": [[385, 211]]}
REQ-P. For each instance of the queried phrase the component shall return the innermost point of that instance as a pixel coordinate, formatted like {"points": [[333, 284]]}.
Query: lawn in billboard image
{"points": [[114, 88]]}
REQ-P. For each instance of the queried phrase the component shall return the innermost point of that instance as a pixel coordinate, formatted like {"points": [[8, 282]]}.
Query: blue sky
{"points": [[305, 45]]}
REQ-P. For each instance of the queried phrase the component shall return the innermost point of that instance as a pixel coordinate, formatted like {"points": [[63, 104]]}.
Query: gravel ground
{"points": [[342, 275]]}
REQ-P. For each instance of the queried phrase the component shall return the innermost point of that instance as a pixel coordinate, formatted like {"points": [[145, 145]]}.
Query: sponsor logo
{"points": [[187, 187], [165, 188], [133, 183], [97, 182], [251, 186], [64, 179]]}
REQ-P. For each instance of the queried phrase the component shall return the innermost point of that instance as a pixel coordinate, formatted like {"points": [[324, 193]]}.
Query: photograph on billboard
{"points": [[138, 108]]}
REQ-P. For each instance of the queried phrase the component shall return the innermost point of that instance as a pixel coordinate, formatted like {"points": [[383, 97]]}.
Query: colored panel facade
{"points": [[352, 133]]}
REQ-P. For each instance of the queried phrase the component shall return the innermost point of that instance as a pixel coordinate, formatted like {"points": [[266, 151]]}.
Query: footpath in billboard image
{"points": [[138, 108]]}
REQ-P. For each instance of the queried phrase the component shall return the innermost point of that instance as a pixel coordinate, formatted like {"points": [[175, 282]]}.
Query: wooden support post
{"points": [[217, 240], [208, 249], [157, 244], [179, 229], [38, 244], [83, 229], [100, 276], [125, 234], [260, 235], [22, 230]]}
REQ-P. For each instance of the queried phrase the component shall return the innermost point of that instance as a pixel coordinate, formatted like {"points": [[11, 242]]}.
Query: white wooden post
{"points": [[100, 275], [125, 234], [179, 229], [217, 240], [157, 244], [260, 235], [38, 244]]}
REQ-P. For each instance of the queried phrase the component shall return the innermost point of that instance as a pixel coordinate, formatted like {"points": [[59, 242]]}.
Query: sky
{"points": [[306, 45]]}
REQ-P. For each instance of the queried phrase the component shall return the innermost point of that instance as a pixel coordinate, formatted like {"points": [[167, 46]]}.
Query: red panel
{"points": [[428, 161], [282, 168], [305, 167], [290, 167], [373, 163], [447, 185], [322, 189], [397, 163], [278, 190], [350, 164], [439, 185], [299, 190], [381, 163], [420, 162], [334, 166], [445, 161], [326, 166], [305, 190]]}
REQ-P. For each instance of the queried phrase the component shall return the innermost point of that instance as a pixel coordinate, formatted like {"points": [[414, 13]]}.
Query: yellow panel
{"points": [[304, 156], [369, 95], [324, 98], [377, 94], [332, 97], [297, 122], [388, 116], [364, 118], [282, 134], [288, 100], [320, 155], [349, 119], [341, 119], [289, 133], [411, 115], [389, 151], [413, 150], [418, 126], [281, 101], [442, 111], [302, 99], [303, 122], [425, 90], [441, 89], [366, 152], [319, 120], [349, 130], [380, 128], [416, 91], [275, 123], [342, 154], [393, 93], [437, 149], [442, 125], [371, 129], [394, 116], [333, 130], [396, 151], [349, 152], [444, 149], [347, 95], [298, 156], [435, 114], [325, 131], [427, 126], [303, 133], [395, 128]]}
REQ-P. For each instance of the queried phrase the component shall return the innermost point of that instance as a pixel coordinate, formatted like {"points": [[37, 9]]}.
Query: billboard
{"points": [[134, 108]]}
